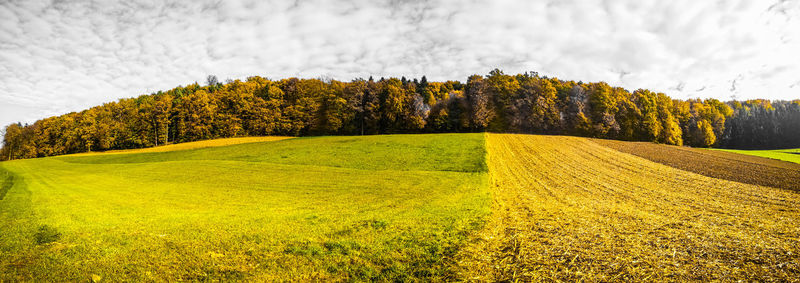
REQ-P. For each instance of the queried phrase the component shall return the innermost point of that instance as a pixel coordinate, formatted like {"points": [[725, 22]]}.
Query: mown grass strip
{"points": [[7, 183]]}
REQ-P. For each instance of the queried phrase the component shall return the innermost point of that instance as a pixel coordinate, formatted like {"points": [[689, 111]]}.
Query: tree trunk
{"points": [[156, 130]]}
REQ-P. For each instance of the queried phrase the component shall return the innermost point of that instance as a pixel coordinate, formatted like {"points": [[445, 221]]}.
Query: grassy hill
{"points": [[376, 207], [441, 207]]}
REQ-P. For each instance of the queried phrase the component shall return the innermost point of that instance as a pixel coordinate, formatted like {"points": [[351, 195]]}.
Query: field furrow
{"points": [[717, 164], [567, 208]]}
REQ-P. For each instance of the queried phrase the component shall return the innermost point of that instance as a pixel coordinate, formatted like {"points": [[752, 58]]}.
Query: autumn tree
{"points": [[502, 89], [650, 125], [577, 111], [12, 141], [478, 103], [495, 102], [392, 101], [534, 108], [196, 116], [162, 108], [334, 109]]}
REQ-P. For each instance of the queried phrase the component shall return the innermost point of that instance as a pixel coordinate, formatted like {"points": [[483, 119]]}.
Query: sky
{"points": [[62, 56]]}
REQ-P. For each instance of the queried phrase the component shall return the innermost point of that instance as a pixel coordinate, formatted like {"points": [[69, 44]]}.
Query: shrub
{"points": [[46, 234]]}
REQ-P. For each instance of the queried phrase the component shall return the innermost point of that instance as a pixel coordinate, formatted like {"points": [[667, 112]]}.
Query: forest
{"points": [[497, 102]]}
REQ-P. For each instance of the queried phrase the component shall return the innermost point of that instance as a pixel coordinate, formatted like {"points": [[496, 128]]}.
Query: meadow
{"points": [[326, 208], [791, 155], [433, 207]]}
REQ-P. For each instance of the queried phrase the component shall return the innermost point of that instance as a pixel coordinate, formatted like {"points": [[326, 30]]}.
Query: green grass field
{"points": [[437, 207], [791, 155], [328, 208]]}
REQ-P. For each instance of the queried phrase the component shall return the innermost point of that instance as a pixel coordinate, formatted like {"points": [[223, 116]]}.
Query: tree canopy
{"points": [[499, 102]]}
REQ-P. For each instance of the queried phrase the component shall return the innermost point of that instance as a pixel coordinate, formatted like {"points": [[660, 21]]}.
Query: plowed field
{"points": [[717, 164], [567, 208]]}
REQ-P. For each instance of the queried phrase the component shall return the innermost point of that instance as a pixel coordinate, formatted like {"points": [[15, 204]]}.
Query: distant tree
{"points": [[670, 128], [162, 107], [501, 90], [577, 111], [2, 143], [355, 96], [11, 141], [197, 114], [535, 108], [371, 109], [650, 126], [418, 113], [603, 103], [704, 135], [334, 110], [495, 102], [212, 81], [393, 101], [478, 105]]}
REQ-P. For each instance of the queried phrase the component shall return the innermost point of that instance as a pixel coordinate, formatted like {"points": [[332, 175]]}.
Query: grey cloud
{"points": [[57, 57]]}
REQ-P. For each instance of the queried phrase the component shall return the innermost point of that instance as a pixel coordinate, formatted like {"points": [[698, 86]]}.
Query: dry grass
{"points": [[191, 145], [566, 208], [717, 164]]}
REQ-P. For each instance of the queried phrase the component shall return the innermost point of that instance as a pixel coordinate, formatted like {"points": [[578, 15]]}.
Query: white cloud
{"points": [[57, 57]]}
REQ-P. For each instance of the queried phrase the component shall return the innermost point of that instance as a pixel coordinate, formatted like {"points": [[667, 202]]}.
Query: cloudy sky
{"points": [[63, 56]]}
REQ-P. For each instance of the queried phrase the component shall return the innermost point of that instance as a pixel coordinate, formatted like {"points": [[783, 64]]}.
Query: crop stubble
{"points": [[566, 208]]}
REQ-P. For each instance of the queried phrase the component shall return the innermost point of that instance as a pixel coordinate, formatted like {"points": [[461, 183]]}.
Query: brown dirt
{"points": [[716, 164]]}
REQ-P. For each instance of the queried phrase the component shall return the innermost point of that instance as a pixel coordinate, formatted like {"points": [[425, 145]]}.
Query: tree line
{"points": [[497, 102]]}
